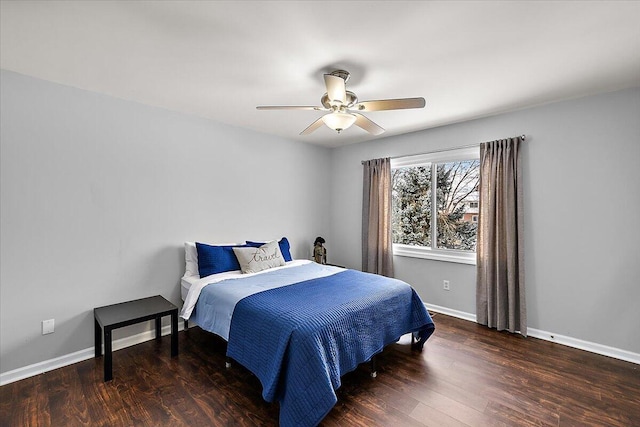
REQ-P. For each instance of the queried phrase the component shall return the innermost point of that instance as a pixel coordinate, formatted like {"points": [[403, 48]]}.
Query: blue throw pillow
{"points": [[216, 259], [285, 247]]}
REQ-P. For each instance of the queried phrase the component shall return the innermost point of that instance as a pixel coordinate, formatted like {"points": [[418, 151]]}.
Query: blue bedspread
{"points": [[300, 339]]}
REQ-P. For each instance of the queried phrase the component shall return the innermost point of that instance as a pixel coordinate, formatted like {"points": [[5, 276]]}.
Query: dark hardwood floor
{"points": [[467, 375]]}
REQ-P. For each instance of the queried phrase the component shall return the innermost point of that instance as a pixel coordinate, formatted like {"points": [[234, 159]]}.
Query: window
{"points": [[435, 205]]}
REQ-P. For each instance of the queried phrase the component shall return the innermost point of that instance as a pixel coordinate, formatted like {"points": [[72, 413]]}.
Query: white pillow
{"points": [[253, 260], [190, 259]]}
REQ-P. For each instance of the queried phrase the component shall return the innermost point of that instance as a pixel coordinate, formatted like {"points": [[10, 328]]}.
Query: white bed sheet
{"points": [[185, 284]]}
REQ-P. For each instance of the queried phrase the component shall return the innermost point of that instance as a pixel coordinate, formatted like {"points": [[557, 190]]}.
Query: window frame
{"points": [[433, 252]]}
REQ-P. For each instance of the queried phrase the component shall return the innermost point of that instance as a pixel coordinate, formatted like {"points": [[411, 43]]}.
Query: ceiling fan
{"points": [[344, 106]]}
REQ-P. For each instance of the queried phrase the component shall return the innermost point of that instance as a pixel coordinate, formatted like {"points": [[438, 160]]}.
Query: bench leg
{"points": [[174, 333], [108, 356], [373, 373], [97, 338], [158, 328]]}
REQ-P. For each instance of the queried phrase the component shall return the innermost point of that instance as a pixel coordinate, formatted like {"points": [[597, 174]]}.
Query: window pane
{"points": [[411, 210], [457, 203]]}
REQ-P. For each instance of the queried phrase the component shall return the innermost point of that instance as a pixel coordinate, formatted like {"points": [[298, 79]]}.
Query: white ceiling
{"points": [[221, 59]]}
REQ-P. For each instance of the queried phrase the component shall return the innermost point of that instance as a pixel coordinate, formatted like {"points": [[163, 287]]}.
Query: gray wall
{"points": [[581, 174], [99, 194]]}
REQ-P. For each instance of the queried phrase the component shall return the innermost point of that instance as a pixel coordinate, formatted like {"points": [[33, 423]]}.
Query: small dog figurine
{"points": [[319, 251]]}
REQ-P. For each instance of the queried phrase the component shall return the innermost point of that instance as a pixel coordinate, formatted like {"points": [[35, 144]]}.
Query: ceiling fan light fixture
{"points": [[345, 109], [339, 121]]}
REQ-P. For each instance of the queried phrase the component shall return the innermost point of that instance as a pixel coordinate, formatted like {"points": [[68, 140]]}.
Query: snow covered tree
{"points": [[411, 216], [456, 186]]}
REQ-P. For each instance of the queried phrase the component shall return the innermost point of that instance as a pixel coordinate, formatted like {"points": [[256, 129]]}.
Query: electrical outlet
{"points": [[445, 285], [48, 326]]}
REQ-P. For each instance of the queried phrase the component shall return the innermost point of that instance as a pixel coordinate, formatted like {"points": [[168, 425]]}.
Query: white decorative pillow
{"points": [[253, 260]]}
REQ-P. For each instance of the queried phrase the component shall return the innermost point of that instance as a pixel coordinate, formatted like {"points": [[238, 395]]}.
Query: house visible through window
{"points": [[435, 205]]}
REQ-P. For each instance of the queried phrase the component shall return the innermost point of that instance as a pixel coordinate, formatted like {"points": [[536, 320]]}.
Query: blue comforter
{"points": [[300, 339]]}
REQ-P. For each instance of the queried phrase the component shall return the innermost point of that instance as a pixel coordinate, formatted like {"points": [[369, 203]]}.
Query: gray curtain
{"points": [[500, 292], [377, 251]]}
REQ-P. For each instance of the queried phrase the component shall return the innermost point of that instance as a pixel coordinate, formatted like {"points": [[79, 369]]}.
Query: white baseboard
{"points": [[592, 347], [450, 312], [604, 350], [79, 356]]}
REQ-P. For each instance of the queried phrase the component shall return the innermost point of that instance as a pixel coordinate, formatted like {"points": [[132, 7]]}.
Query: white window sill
{"points": [[436, 255]]}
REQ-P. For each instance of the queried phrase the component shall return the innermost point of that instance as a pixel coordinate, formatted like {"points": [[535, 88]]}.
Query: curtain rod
{"points": [[443, 150]]}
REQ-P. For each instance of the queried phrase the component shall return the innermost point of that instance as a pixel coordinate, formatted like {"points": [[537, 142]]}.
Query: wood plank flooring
{"points": [[467, 375]]}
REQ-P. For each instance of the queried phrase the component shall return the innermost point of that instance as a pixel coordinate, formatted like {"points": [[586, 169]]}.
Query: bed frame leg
{"points": [[186, 325], [417, 343], [373, 367], [227, 363]]}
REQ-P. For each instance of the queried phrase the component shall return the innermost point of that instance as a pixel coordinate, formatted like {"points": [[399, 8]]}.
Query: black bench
{"points": [[116, 316]]}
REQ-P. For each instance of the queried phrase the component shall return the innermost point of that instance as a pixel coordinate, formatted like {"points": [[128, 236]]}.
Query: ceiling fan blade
{"points": [[368, 125], [289, 107], [389, 104], [336, 89], [313, 126]]}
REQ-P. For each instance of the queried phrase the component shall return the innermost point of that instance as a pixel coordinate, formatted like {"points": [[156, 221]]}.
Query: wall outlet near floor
{"points": [[47, 326], [445, 285]]}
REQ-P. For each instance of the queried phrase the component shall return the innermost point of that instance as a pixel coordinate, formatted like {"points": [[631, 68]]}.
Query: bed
{"points": [[300, 326]]}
